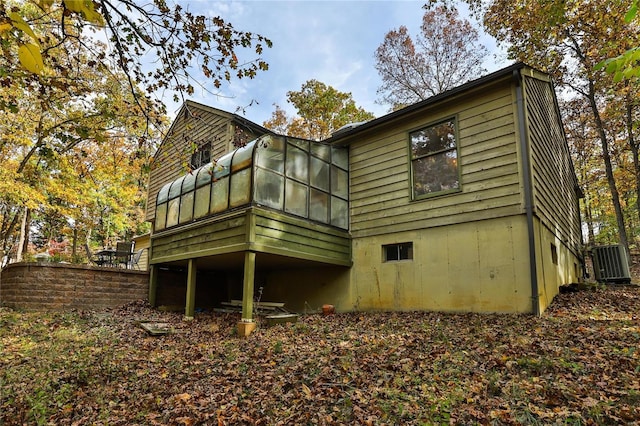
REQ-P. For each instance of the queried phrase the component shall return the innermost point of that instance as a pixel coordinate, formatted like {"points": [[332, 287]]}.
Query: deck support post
{"points": [[153, 284], [247, 324], [189, 311]]}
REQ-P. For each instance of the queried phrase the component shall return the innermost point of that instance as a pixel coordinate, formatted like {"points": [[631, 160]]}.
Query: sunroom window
{"points": [[434, 159], [303, 178]]}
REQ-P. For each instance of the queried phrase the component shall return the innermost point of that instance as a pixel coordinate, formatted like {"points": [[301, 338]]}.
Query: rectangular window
{"points": [[394, 252], [201, 157], [434, 159], [554, 254]]}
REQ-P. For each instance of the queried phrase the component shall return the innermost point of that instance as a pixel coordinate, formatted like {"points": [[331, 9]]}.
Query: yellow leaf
{"points": [[20, 24], [74, 5], [30, 58], [84, 7], [306, 390], [183, 397], [45, 4], [5, 26]]}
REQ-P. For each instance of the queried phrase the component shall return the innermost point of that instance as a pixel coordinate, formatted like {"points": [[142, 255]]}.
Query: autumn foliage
{"points": [[578, 364], [445, 54]]}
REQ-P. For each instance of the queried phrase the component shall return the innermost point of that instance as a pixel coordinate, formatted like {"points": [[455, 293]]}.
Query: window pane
{"points": [[240, 188], [243, 157], [433, 139], [339, 213], [186, 207], [161, 216], [391, 253], [201, 157], [339, 182], [319, 206], [402, 251], [205, 175], [163, 194], [176, 188], [405, 251], [172, 212], [222, 167], [269, 189], [202, 201], [302, 144], [296, 198], [189, 182], [220, 195], [270, 154], [319, 174], [340, 157], [297, 163], [435, 173], [322, 151]]}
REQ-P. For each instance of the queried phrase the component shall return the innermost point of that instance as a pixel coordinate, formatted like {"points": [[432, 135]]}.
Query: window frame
{"points": [[456, 132], [201, 156], [399, 249]]}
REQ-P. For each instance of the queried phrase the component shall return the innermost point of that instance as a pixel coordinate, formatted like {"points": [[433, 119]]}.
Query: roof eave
{"points": [[497, 75]]}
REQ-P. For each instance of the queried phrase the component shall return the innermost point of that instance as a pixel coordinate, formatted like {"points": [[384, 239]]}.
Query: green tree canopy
{"points": [[321, 110]]}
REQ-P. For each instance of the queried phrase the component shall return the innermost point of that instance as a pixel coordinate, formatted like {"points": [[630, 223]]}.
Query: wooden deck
{"points": [[282, 238]]}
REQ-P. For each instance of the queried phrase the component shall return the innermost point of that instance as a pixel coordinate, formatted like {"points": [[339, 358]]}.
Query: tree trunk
{"points": [[74, 244], [27, 236], [87, 249], [588, 214], [634, 151], [23, 228], [615, 196], [8, 230]]}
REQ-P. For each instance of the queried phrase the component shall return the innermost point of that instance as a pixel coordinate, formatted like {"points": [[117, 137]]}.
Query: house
{"points": [[465, 202]]}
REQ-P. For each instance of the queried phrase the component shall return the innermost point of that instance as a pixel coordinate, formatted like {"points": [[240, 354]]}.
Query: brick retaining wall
{"points": [[64, 286]]}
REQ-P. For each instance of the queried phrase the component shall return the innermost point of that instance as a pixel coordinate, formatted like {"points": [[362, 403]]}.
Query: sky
{"points": [[330, 41]]}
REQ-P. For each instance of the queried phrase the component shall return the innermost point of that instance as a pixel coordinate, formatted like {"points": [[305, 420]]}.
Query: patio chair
{"points": [[135, 259], [124, 250]]}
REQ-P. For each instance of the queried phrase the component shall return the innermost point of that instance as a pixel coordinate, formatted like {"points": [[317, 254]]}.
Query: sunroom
{"points": [[276, 202]]}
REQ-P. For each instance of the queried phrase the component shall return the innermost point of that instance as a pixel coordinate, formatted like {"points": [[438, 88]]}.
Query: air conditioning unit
{"points": [[610, 264]]}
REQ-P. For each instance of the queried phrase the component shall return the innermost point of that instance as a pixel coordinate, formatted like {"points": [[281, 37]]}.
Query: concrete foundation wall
{"points": [[64, 286], [478, 266]]}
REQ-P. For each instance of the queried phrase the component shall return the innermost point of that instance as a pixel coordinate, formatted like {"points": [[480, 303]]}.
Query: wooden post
{"points": [[247, 324], [189, 311], [153, 284]]}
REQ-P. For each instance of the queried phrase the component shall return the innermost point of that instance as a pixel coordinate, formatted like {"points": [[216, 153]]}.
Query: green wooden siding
{"points": [[173, 154], [554, 182], [285, 235], [490, 183], [224, 235], [256, 229]]}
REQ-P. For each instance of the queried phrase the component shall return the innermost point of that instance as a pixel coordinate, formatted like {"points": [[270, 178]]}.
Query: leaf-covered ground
{"points": [[578, 364]]}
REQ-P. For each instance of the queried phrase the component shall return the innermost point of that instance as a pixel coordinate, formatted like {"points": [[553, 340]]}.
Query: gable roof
{"points": [[190, 105], [231, 116]]}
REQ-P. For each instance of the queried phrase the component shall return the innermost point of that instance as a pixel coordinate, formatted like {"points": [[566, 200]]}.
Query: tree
{"points": [[627, 64], [78, 75], [444, 55], [48, 133], [139, 34], [568, 39], [321, 110]]}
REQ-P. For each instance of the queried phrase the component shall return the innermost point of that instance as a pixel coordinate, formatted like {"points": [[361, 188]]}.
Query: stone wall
{"points": [[65, 286]]}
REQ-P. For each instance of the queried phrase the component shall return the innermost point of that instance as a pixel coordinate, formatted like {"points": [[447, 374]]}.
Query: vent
{"points": [[610, 264]]}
